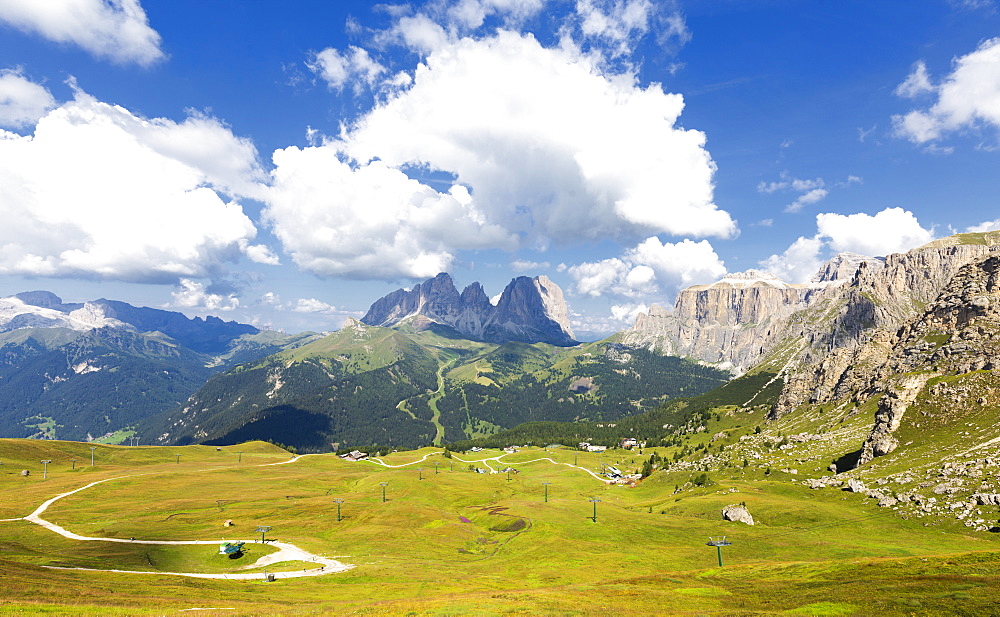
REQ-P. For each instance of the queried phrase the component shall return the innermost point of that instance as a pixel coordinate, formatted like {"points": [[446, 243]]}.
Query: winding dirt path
{"points": [[286, 551], [485, 462]]}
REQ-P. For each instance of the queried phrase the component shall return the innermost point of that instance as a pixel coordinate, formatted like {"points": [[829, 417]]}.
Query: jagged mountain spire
{"points": [[530, 310]]}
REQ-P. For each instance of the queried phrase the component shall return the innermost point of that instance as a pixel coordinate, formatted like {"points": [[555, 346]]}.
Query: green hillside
{"points": [[379, 388], [57, 383]]}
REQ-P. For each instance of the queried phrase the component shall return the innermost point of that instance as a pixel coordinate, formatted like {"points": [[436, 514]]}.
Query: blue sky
{"points": [[286, 164]]}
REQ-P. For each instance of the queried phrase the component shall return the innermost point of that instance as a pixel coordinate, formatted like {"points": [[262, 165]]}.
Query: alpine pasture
{"points": [[449, 541]]}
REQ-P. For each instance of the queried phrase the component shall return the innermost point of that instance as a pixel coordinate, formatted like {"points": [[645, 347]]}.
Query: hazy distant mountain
{"points": [[76, 371]]}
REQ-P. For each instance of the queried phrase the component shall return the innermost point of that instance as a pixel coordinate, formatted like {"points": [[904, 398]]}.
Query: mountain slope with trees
{"points": [[382, 388]]}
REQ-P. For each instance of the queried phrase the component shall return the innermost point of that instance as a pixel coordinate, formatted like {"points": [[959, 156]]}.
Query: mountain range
{"points": [[873, 336], [82, 371], [421, 383]]}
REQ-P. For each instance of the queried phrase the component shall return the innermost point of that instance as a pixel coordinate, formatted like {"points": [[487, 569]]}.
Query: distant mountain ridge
{"points": [[44, 309], [734, 322], [530, 310], [82, 370]]}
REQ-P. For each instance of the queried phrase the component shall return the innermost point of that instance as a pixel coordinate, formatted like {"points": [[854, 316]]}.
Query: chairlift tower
{"points": [[718, 542], [546, 485], [338, 502], [383, 485], [595, 501], [92, 448], [45, 468], [262, 529]]}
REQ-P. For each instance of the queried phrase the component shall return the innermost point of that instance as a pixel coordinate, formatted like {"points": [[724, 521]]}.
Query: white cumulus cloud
{"points": [[811, 191], [540, 145], [627, 313], [548, 142], [799, 262], [117, 30], [355, 66], [618, 21], [369, 221], [985, 226], [917, 83], [312, 305], [96, 191], [967, 98], [22, 101], [472, 14], [893, 230], [650, 268], [195, 296]]}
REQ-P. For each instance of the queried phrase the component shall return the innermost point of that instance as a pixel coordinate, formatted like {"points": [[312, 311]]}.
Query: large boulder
{"points": [[856, 486], [737, 513]]}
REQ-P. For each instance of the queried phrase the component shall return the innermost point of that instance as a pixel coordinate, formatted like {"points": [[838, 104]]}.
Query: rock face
{"points": [[846, 337], [737, 513], [530, 310], [891, 408], [737, 320]]}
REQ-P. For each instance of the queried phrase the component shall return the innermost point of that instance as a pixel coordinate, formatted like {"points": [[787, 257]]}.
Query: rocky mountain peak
{"points": [[843, 267], [40, 298], [748, 278], [529, 310]]}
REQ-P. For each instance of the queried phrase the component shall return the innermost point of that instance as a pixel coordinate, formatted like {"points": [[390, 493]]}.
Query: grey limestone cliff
{"points": [[736, 321], [844, 339]]}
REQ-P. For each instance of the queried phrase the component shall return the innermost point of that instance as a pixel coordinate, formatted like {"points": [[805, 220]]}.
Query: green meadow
{"points": [[449, 541]]}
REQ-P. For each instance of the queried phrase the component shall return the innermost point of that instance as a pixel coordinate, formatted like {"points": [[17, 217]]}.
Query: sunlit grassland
{"points": [[449, 541]]}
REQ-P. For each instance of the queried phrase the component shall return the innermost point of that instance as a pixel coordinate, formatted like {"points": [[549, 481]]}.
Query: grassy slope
{"points": [[821, 552]]}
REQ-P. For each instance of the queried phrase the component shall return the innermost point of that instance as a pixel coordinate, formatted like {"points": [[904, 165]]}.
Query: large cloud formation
{"points": [[650, 268], [967, 98], [98, 192], [893, 230], [117, 30], [538, 144]]}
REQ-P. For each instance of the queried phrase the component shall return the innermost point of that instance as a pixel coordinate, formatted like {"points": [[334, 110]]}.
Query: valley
{"points": [[844, 463]]}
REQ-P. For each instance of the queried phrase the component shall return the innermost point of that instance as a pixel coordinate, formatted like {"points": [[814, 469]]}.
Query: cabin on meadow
{"points": [[354, 455]]}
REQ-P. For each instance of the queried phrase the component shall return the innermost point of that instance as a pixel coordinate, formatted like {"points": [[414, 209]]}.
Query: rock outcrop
{"points": [[530, 310], [846, 337], [737, 513]]}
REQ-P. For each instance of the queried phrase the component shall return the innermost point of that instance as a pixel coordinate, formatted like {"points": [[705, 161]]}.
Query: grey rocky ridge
{"points": [[889, 387], [530, 310], [735, 321]]}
